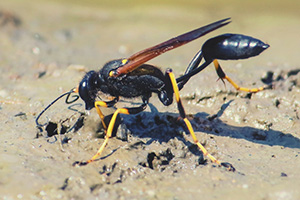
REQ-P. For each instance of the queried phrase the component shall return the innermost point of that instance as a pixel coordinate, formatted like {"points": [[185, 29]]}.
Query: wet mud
{"points": [[46, 47]]}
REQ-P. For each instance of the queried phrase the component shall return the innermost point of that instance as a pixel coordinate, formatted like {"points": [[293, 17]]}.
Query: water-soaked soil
{"points": [[47, 46]]}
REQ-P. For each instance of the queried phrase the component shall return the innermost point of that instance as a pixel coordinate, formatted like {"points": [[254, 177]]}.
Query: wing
{"points": [[143, 56]]}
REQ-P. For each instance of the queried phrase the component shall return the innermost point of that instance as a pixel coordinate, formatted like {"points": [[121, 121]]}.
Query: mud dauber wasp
{"points": [[130, 78]]}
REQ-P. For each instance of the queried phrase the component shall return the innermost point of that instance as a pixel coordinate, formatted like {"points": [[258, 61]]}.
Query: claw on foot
{"points": [[228, 166], [79, 163]]}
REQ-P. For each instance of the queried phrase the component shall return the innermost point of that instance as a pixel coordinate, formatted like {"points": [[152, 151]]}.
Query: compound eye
{"points": [[86, 93], [83, 90]]}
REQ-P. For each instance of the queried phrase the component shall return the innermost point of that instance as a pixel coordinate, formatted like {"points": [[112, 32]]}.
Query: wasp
{"points": [[131, 77]]}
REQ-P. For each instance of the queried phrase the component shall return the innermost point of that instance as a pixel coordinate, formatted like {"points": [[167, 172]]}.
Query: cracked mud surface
{"points": [[47, 47]]}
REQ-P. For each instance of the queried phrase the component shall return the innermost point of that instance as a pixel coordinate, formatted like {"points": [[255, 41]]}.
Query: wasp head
{"points": [[88, 89]]}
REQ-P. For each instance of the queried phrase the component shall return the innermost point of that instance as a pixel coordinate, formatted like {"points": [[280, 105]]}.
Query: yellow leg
{"points": [[223, 76], [252, 90], [97, 105], [105, 104], [108, 133], [107, 136], [205, 152], [190, 128]]}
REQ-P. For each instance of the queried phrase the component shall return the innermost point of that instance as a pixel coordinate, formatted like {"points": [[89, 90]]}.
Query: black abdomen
{"points": [[232, 47]]}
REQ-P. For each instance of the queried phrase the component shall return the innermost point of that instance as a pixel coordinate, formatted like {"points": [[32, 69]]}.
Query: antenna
{"points": [[74, 90]]}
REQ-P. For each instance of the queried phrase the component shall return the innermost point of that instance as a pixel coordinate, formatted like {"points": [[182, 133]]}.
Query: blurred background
{"points": [[93, 32]]}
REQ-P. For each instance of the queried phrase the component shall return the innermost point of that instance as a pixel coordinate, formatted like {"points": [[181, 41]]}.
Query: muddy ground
{"points": [[47, 46]]}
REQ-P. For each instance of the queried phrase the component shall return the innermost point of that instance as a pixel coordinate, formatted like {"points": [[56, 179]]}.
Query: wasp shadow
{"points": [[165, 126]]}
